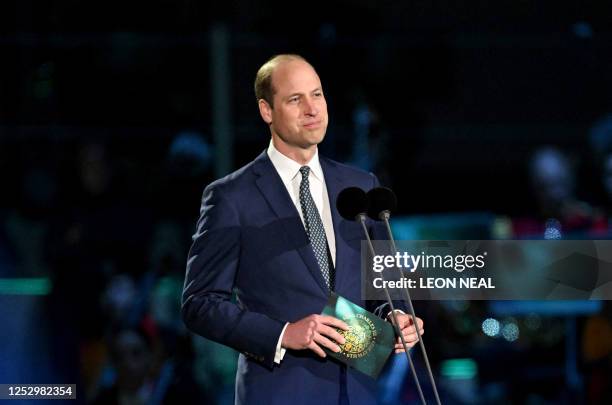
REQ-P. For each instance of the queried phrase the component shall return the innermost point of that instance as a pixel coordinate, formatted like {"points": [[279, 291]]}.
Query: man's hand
{"points": [[406, 325], [314, 332]]}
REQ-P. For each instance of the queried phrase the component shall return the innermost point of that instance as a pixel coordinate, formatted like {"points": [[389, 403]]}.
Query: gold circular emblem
{"points": [[359, 337]]}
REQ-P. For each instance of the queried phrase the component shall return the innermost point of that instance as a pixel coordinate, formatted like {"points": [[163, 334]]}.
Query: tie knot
{"points": [[305, 170]]}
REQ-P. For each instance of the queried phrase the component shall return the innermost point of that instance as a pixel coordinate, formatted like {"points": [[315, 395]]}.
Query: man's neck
{"points": [[300, 155]]}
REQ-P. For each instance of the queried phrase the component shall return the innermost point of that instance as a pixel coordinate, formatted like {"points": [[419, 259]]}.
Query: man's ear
{"points": [[265, 110]]}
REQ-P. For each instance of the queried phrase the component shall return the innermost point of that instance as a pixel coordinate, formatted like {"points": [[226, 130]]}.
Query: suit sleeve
{"points": [[212, 265], [378, 231]]}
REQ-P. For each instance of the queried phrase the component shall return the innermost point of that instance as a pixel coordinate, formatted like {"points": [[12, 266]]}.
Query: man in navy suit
{"points": [[270, 232]]}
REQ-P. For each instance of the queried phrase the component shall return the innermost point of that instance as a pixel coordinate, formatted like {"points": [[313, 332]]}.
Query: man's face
{"points": [[299, 116]]}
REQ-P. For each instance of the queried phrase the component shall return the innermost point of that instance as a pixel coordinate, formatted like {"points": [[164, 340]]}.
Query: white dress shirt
{"points": [[289, 172]]}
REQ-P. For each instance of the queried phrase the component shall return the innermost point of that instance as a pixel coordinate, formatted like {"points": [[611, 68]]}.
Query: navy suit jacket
{"points": [[250, 240]]}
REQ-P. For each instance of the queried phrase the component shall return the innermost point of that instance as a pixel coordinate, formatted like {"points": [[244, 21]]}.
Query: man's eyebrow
{"points": [[301, 94]]}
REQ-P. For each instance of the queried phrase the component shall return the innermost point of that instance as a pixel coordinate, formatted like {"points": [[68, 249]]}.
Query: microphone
{"points": [[382, 202], [352, 202], [353, 205]]}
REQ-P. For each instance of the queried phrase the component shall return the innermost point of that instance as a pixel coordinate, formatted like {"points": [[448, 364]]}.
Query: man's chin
{"points": [[315, 137]]}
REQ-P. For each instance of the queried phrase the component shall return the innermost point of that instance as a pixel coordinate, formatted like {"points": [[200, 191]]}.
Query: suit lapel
{"points": [[275, 193], [334, 185]]}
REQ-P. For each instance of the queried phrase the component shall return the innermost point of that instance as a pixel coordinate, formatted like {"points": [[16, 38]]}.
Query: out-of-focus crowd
{"points": [[109, 221]]}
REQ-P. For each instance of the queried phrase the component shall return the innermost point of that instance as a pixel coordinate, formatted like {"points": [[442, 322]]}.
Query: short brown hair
{"points": [[263, 79]]}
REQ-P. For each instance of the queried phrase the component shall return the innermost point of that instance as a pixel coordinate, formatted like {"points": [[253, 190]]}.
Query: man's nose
{"points": [[310, 107]]}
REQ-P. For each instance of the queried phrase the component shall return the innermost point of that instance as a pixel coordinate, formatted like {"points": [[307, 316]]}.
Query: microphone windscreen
{"points": [[380, 199], [351, 202]]}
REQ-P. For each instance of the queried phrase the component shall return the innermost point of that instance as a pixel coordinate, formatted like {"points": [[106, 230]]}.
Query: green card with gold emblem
{"points": [[369, 340]]}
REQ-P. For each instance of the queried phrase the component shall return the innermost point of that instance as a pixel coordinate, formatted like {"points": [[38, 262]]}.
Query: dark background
{"points": [[97, 195], [463, 89]]}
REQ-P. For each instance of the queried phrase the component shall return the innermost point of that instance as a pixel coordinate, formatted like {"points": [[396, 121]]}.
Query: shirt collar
{"points": [[288, 168]]}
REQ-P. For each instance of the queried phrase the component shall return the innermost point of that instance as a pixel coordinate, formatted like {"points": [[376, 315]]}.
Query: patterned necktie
{"points": [[315, 230]]}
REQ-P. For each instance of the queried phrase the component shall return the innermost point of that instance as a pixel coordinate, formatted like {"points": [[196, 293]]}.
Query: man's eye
{"points": [[318, 94], [293, 99]]}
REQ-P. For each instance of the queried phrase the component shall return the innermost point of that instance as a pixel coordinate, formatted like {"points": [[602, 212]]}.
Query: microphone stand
{"points": [[384, 216], [362, 219]]}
